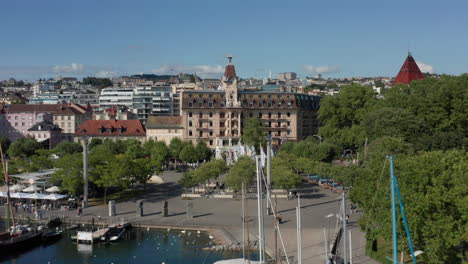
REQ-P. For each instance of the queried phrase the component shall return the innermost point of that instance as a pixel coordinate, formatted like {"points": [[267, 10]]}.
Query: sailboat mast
{"points": [[260, 212], [394, 227], [243, 223], [7, 183]]}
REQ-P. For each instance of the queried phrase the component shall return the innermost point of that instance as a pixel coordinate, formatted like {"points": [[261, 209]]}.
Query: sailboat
{"points": [[395, 192], [15, 237], [261, 237]]}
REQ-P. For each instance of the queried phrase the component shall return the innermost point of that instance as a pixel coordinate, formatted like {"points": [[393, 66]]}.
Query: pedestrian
{"points": [[79, 212], [347, 218], [280, 219]]}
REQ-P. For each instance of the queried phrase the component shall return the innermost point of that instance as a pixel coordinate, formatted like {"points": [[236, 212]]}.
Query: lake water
{"points": [[139, 246]]}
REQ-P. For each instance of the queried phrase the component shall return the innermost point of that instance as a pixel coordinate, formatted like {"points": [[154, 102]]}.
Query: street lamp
{"points": [[319, 137], [326, 235]]}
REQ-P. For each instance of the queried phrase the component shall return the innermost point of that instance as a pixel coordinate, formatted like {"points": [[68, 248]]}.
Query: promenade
{"points": [[225, 215]]}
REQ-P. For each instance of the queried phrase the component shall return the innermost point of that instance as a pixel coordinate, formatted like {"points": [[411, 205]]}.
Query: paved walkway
{"points": [[225, 214]]}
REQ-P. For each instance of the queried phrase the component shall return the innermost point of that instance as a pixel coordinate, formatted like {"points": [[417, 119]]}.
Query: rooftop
{"points": [[164, 122], [111, 128]]}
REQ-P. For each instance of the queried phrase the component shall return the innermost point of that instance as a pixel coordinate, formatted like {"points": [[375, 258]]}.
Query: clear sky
{"points": [[337, 38]]}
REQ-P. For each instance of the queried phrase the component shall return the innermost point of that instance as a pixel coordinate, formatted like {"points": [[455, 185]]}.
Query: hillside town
{"points": [[164, 107]]}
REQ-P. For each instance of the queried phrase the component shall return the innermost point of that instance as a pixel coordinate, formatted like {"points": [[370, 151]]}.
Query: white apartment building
{"points": [[116, 97]]}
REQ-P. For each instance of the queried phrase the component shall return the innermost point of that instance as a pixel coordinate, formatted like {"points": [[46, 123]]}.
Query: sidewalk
{"points": [[225, 214]]}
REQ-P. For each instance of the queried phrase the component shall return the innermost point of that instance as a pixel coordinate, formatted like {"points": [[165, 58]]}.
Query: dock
{"points": [[90, 237]]}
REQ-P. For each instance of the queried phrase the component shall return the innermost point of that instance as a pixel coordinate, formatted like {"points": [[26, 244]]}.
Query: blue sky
{"points": [[337, 38]]}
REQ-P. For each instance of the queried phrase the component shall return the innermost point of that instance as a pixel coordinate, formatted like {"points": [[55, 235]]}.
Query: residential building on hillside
{"points": [[46, 133], [152, 100], [111, 129], [164, 128], [21, 117], [286, 76], [114, 112], [116, 96]]}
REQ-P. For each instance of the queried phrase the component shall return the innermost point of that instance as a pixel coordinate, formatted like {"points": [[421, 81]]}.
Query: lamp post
{"points": [[85, 171], [326, 235], [319, 137]]}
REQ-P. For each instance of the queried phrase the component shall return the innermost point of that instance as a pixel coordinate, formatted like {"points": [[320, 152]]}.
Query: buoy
{"points": [[211, 237], [198, 232], [147, 229], [183, 231]]}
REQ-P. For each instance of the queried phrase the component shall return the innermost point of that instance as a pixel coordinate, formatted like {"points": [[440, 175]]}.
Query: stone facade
{"points": [[218, 116], [164, 128]]}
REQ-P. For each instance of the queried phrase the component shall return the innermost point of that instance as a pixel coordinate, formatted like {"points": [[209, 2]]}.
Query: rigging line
{"points": [[276, 217], [378, 185]]}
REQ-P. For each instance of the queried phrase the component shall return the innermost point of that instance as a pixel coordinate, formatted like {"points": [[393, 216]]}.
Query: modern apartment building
{"points": [[116, 96]]}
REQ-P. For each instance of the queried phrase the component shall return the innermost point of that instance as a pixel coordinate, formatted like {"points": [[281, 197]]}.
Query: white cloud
{"points": [[204, 71], [105, 74], [320, 69], [425, 67], [72, 68]]}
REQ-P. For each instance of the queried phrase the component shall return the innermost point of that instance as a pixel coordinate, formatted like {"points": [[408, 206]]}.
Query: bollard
{"points": [[189, 210], [112, 208], [165, 210], [139, 208]]}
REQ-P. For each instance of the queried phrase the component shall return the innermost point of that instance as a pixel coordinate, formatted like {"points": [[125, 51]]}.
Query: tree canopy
{"points": [[252, 133]]}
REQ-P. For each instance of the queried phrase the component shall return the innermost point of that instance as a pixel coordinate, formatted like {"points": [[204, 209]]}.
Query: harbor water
{"points": [[139, 245]]}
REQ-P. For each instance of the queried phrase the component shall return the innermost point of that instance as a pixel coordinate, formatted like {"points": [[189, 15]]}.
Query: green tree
{"points": [[188, 154], [252, 134], [159, 155], [203, 152], [111, 174], [175, 147], [94, 142], [141, 171], [66, 147], [243, 172], [69, 174], [341, 115], [284, 178], [23, 148], [5, 141]]}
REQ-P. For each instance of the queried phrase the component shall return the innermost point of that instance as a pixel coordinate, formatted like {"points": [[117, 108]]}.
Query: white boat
{"points": [[236, 261]]}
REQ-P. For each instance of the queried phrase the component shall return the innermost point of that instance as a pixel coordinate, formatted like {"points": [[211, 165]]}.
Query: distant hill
{"points": [[153, 77]]}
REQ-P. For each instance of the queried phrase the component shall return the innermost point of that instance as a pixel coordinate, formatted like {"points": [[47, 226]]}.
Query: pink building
{"points": [[21, 117]]}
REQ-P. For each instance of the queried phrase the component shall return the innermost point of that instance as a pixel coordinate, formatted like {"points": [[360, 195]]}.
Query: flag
{"points": [[262, 157]]}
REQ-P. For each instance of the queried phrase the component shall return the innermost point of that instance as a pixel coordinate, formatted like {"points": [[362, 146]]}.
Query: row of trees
{"points": [[118, 164], [424, 126], [430, 114]]}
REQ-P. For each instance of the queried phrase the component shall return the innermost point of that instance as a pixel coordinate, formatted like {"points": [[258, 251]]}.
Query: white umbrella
{"points": [[36, 196], [53, 189], [19, 195], [55, 197], [32, 188], [16, 188], [3, 194]]}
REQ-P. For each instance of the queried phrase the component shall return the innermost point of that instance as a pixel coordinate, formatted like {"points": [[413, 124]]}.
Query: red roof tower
{"points": [[409, 71]]}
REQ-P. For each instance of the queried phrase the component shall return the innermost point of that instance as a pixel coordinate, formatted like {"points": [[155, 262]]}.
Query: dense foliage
{"points": [[424, 126], [97, 82], [429, 113]]}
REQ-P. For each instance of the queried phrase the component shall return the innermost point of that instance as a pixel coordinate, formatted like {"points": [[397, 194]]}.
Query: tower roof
{"points": [[230, 70], [409, 71]]}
